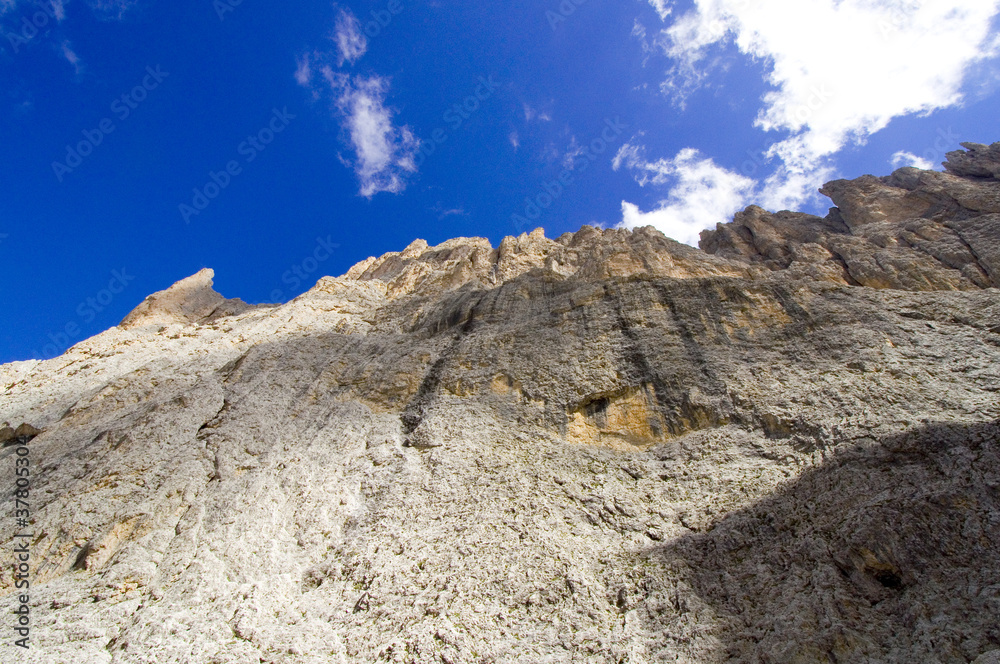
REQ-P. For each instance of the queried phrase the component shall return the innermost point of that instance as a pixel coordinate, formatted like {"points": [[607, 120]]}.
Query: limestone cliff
{"points": [[606, 447]]}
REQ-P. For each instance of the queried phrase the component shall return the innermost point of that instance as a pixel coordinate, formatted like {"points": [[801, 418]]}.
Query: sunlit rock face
{"points": [[912, 230], [604, 447]]}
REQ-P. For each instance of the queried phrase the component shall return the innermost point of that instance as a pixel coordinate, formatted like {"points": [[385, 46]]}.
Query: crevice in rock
{"points": [[212, 422], [414, 413], [415, 410], [80, 563], [839, 258], [233, 366]]}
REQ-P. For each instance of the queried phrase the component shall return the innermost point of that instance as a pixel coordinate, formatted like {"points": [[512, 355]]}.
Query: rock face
{"points": [[607, 447]]}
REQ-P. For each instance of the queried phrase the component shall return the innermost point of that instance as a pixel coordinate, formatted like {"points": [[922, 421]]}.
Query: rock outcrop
{"points": [[912, 230], [190, 301], [607, 447]]}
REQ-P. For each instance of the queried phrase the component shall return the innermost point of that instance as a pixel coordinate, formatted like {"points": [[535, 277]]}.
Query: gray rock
{"points": [[976, 160], [606, 447], [189, 301]]}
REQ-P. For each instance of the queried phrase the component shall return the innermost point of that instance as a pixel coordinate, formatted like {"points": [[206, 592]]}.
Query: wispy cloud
{"points": [[303, 72], [904, 158], [701, 193], [351, 43], [531, 114], [54, 8], [71, 56], [662, 7], [443, 213], [573, 150], [384, 153], [901, 60]]}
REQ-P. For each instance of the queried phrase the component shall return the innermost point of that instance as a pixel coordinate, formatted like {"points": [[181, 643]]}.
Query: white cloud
{"points": [[531, 114], [662, 7], [303, 71], [515, 140], [71, 56], [904, 158], [840, 69], [639, 31], [384, 153], [701, 193], [54, 8], [630, 154], [351, 43], [573, 150], [444, 213], [335, 79]]}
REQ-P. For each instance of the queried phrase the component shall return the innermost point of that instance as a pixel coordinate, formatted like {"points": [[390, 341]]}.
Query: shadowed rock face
{"points": [[607, 447], [888, 547]]}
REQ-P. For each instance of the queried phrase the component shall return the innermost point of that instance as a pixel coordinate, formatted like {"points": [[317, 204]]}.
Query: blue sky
{"points": [[143, 140]]}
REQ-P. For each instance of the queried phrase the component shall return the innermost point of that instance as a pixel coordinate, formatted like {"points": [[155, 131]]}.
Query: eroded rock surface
{"points": [[607, 447]]}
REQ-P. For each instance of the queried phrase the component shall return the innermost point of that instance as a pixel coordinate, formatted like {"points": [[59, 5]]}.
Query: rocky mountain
{"points": [[605, 447]]}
